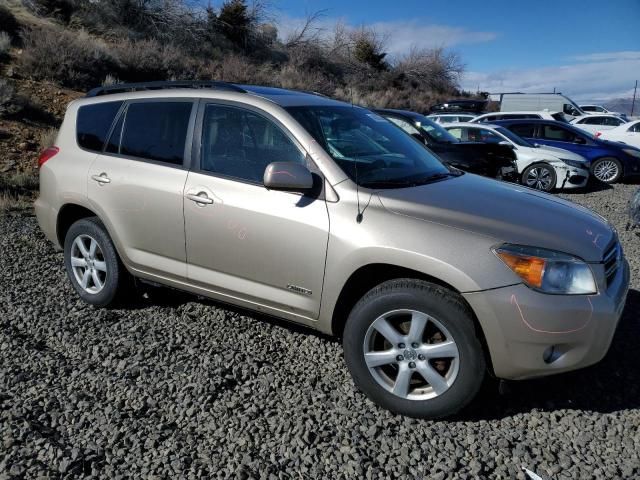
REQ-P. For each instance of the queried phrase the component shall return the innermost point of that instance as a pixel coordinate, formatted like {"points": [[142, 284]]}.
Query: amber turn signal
{"points": [[530, 269]]}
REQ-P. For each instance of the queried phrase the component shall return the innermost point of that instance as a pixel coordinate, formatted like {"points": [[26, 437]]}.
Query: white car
{"points": [[628, 133], [596, 110], [597, 123], [538, 115], [451, 117], [543, 168]]}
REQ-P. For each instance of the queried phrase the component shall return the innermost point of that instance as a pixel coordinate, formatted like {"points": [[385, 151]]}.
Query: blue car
{"points": [[609, 161]]}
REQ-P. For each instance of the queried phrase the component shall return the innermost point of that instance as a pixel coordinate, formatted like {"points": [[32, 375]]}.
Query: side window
{"points": [[456, 132], [635, 128], [93, 124], [153, 131], [524, 130], [552, 132], [482, 135], [404, 125], [613, 122], [239, 143], [570, 110]]}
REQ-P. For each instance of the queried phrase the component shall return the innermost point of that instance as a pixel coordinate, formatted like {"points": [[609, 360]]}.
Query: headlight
{"points": [[548, 271], [632, 151], [574, 163]]}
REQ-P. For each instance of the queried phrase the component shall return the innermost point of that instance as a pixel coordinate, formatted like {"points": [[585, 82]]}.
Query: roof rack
{"points": [[162, 85]]}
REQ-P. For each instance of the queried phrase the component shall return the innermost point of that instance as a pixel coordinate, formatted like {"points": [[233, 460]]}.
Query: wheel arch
{"points": [[68, 214], [369, 276]]}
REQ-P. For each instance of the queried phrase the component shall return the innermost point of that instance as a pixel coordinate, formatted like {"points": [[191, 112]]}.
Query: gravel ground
{"points": [[187, 389]]}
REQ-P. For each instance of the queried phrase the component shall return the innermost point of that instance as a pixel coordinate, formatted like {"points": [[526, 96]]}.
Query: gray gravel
{"points": [[187, 389]]}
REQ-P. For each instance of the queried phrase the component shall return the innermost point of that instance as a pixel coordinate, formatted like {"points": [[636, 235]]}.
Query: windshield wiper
{"points": [[409, 182]]}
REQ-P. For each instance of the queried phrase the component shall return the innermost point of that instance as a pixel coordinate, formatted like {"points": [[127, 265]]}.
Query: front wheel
{"points": [[411, 347], [539, 176], [607, 170]]}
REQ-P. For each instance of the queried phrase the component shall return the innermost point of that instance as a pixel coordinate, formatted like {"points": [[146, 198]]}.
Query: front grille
{"points": [[611, 262]]}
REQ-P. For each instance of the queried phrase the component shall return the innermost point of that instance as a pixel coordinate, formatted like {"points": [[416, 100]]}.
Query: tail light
{"points": [[46, 154], [598, 134]]}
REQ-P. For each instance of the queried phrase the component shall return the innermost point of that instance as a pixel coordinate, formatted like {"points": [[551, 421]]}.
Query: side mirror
{"points": [[288, 176], [579, 140]]}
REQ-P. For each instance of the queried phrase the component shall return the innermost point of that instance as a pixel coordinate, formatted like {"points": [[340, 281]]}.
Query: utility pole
{"points": [[633, 102]]}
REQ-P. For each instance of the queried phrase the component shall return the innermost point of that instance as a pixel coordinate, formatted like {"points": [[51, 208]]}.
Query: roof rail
{"points": [[161, 85]]}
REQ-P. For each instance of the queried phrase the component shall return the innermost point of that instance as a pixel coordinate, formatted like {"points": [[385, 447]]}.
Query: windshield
{"points": [[437, 133], [513, 137], [371, 150]]}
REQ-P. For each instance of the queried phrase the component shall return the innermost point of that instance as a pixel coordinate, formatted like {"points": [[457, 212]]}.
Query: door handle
{"points": [[102, 178], [200, 198]]}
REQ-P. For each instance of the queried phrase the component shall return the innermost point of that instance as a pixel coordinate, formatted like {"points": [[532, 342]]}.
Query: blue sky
{"points": [[589, 49]]}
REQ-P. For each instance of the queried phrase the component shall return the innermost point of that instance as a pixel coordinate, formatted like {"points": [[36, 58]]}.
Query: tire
{"points": [[461, 368], [540, 176], [107, 277], [607, 170]]}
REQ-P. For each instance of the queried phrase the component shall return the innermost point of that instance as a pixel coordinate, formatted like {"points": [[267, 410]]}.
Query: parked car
{"points": [[628, 133], [595, 123], [549, 102], [489, 160], [492, 117], [326, 214], [540, 168], [610, 161], [460, 106], [596, 110], [451, 117]]}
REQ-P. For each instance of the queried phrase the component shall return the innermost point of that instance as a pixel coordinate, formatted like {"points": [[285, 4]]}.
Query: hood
{"points": [[507, 212], [561, 153]]}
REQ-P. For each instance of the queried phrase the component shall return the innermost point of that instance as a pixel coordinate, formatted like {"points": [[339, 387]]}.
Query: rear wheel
{"points": [[607, 170], [92, 263], [539, 176], [411, 347]]}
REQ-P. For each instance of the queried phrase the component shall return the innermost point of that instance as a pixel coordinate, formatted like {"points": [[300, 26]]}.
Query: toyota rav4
{"points": [[328, 215]]}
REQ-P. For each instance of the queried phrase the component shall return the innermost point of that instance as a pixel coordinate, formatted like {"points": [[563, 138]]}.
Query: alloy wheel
{"points": [[539, 178], [88, 264], [411, 354], [606, 170]]}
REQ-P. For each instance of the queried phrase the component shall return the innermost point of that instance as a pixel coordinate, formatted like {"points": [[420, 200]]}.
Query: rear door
{"points": [[136, 185], [261, 248]]}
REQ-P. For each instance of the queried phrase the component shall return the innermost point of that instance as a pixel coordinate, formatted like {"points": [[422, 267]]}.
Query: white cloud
{"points": [[596, 76], [400, 36]]}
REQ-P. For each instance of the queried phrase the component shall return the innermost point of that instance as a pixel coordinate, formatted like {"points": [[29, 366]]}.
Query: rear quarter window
{"points": [[93, 124]]}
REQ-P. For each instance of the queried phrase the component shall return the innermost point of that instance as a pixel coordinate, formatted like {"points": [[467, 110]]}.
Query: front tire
{"points": [[607, 170], [92, 263], [412, 348], [540, 176]]}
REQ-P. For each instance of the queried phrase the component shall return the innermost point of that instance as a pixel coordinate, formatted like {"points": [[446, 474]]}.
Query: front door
{"points": [[561, 137], [261, 248]]}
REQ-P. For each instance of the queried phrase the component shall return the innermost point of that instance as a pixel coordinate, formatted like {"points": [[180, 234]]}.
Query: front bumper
{"points": [[570, 177], [531, 334]]}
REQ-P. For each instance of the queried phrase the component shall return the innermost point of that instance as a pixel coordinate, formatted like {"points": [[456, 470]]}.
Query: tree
{"points": [[368, 49], [235, 21]]}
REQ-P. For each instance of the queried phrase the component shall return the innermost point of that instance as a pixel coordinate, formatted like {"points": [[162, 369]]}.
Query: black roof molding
{"points": [[162, 85]]}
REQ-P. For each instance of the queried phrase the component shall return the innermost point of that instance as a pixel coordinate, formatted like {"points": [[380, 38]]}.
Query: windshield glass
{"points": [[371, 150], [513, 137], [436, 132]]}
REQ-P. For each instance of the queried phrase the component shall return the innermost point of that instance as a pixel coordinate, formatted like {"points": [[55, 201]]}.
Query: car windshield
{"points": [[372, 151], [437, 133], [513, 137]]}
